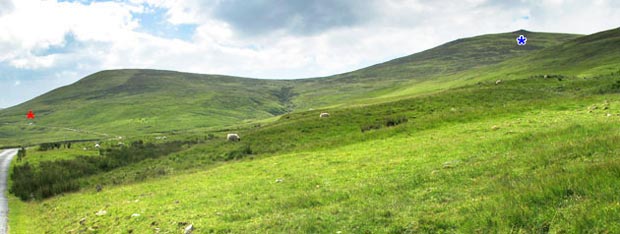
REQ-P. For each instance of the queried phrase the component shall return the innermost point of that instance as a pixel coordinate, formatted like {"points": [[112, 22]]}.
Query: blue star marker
{"points": [[521, 40]]}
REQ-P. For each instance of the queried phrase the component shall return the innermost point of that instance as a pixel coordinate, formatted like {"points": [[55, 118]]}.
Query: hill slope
{"points": [[524, 156], [127, 102]]}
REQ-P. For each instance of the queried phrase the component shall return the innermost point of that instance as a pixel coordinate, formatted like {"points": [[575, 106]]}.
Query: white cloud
{"points": [[109, 37]]}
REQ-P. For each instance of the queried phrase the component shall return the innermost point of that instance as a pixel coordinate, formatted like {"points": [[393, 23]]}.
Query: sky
{"points": [[46, 44]]}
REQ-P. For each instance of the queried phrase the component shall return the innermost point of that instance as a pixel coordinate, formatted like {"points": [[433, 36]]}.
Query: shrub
{"points": [[50, 178], [389, 121], [239, 152], [616, 86]]}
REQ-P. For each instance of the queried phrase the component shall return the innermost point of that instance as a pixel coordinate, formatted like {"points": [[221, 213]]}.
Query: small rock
{"points": [[608, 114], [101, 212], [177, 201], [82, 221], [451, 164], [135, 215], [279, 180], [495, 127], [189, 229]]}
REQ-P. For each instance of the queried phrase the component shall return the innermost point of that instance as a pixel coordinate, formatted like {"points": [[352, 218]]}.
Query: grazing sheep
{"points": [[324, 115], [233, 137], [498, 82]]}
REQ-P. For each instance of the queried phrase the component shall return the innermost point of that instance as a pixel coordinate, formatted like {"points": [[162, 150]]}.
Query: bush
{"points": [[239, 153], [389, 121], [55, 177], [616, 86], [49, 146]]}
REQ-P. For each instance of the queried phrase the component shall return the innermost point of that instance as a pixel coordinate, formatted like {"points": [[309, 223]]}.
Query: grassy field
{"points": [[422, 144], [523, 156]]}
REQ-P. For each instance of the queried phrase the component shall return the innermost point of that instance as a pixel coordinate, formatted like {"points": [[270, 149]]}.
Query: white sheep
{"points": [[233, 137]]}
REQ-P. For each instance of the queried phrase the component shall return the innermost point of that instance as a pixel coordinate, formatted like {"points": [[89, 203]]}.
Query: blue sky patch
{"points": [[154, 21], [68, 45]]}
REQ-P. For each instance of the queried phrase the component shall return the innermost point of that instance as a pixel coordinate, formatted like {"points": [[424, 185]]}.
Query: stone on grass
{"points": [[135, 215], [101, 212], [279, 180], [189, 229]]}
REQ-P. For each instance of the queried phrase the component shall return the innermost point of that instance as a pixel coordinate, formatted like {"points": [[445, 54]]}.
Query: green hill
{"points": [[129, 102], [446, 151]]}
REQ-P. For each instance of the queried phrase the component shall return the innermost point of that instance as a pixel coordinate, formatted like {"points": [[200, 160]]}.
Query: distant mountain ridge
{"points": [[146, 101]]}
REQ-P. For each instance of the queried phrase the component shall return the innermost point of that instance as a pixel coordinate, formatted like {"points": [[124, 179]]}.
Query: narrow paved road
{"points": [[5, 163]]}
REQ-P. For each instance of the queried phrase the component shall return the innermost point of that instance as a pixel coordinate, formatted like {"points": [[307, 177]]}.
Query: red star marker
{"points": [[30, 115]]}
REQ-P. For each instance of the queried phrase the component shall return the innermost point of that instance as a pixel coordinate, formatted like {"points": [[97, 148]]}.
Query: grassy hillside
{"points": [[129, 102], [136, 101], [424, 144], [524, 156]]}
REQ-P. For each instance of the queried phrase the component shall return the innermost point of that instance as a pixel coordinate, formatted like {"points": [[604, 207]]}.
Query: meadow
{"points": [[529, 155]]}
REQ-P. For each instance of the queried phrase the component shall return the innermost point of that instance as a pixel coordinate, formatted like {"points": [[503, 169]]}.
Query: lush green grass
{"points": [[545, 169], [34, 156]]}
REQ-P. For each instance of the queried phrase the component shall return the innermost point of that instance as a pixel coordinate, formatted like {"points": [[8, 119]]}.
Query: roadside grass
{"points": [[34, 156]]}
